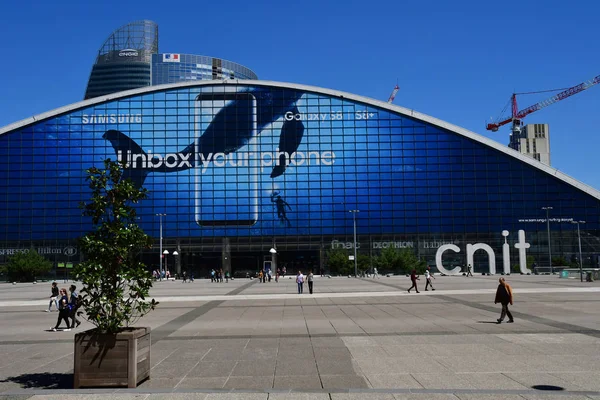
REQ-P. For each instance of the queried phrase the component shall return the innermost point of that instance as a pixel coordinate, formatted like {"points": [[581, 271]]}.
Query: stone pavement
{"points": [[352, 339]]}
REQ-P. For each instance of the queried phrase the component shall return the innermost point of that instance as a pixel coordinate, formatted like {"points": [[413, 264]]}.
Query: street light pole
{"points": [[579, 240], [355, 260], [166, 253], [160, 268], [549, 248]]}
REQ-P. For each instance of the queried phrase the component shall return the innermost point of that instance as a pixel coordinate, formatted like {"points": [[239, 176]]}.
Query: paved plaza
{"points": [[352, 339]]}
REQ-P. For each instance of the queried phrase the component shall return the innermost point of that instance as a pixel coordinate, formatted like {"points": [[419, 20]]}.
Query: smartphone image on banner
{"points": [[226, 167]]}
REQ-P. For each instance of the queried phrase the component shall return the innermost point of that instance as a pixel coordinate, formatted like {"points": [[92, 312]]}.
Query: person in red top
{"points": [[413, 278], [504, 296]]}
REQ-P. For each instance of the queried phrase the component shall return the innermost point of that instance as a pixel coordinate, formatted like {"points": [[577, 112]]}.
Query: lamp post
{"points": [[160, 269], [549, 248], [166, 253], [175, 254], [355, 261], [579, 240]]}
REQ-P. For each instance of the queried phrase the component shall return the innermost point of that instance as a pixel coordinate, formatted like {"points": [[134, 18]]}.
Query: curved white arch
{"points": [[318, 90]]}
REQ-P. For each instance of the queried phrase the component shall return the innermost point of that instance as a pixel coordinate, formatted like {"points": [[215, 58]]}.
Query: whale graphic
{"points": [[227, 132]]}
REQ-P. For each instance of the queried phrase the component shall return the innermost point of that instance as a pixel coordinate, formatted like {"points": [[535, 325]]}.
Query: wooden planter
{"points": [[112, 360]]}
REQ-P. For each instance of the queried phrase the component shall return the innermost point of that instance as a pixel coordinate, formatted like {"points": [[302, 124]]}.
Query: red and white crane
{"points": [[394, 92], [518, 115]]}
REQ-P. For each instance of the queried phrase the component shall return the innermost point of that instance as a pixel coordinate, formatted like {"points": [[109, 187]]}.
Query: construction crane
{"points": [[518, 115], [393, 95]]}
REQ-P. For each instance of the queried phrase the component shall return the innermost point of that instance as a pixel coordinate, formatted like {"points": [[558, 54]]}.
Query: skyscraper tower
{"points": [[123, 61]]}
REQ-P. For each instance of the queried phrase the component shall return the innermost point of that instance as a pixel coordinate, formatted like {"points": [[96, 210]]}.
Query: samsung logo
{"points": [[128, 53], [110, 118]]}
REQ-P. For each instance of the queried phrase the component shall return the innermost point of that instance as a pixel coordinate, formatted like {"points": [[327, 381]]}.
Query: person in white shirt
{"points": [[428, 278], [375, 274], [300, 282]]}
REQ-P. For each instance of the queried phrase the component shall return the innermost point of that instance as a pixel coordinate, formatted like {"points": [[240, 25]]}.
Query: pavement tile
{"points": [[393, 381], [259, 353], [177, 396], [530, 379], [588, 380], [485, 396], [213, 369], [237, 396], [424, 396], [249, 382], [327, 342], [362, 396], [221, 354], [297, 367], [297, 353], [550, 396], [443, 381], [367, 352], [160, 383], [254, 368], [298, 396], [332, 353], [202, 383], [305, 382], [337, 367], [492, 381], [344, 382]]}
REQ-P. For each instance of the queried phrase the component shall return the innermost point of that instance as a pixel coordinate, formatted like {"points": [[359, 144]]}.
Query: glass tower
{"points": [[123, 61]]}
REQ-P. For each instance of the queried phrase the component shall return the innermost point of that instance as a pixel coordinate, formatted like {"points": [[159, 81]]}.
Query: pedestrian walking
{"points": [[428, 278], [227, 277], [469, 270], [184, 277], [300, 282], [375, 274], [277, 275], [63, 311], [74, 303], [414, 278], [504, 296], [260, 276], [310, 279], [53, 297], [212, 276]]}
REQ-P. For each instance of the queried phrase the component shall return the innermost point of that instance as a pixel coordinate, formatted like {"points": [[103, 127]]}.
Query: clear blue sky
{"points": [[455, 60]]}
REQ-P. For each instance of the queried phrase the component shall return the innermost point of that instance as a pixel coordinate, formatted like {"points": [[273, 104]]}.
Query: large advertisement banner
{"points": [[239, 160]]}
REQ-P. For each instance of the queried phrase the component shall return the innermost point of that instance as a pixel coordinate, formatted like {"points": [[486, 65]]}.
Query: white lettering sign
{"points": [[472, 248]]}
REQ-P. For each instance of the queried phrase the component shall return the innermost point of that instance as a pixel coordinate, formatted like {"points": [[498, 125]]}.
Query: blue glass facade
{"points": [[173, 68], [239, 167]]}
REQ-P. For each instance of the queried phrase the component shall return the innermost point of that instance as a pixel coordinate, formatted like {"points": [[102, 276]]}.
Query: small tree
{"points": [[338, 262], [115, 282], [363, 263], [399, 261], [410, 261], [25, 266]]}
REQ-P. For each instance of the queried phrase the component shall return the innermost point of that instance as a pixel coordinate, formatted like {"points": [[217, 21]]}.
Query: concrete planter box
{"points": [[112, 360]]}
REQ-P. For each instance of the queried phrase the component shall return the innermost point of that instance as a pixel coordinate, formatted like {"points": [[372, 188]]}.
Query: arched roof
{"points": [[318, 90]]}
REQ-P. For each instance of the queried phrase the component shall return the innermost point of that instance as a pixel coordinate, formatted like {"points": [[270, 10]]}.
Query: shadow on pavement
{"points": [[487, 322], [548, 387], [42, 381]]}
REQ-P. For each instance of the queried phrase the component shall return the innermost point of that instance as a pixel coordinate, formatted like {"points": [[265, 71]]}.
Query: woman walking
{"points": [[504, 296], [63, 311], [414, 278], [53, 297], [310, 281], [428, 278]]}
